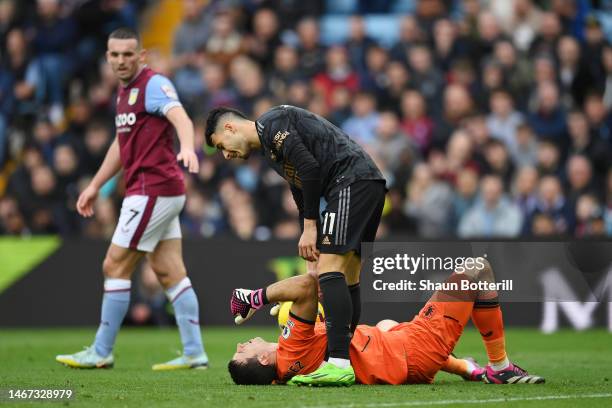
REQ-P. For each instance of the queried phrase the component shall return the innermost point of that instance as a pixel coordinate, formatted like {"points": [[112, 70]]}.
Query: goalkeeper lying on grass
{"points": [[389, 353]]}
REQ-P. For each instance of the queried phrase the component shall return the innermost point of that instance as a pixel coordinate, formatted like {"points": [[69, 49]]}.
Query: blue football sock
{"points": [[114, 307], [186, 311]]}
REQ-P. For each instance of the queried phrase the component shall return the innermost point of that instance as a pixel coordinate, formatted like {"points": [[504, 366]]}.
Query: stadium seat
{"points": [[381, 27], [341, 6]]}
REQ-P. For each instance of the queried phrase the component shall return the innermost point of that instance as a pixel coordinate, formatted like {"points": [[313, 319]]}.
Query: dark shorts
{"points": [[351, 217]]}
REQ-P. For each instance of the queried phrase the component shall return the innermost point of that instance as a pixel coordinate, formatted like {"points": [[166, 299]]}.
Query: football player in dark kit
{"points": [[318, 160]]}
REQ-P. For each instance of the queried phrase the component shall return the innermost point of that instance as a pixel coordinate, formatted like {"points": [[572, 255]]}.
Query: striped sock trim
{"points": [[174, 292], [117, 285]]}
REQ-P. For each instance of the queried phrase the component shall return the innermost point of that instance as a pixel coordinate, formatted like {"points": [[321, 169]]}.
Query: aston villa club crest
{"points": [[133, 96]]}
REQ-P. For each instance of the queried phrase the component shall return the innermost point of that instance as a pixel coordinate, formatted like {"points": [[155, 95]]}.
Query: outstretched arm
{"points": [[110, 166], [302, 290], [184, 130]]}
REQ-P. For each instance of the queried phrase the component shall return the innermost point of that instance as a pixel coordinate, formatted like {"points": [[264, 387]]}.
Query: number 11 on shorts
{"points": [[331, 217]]}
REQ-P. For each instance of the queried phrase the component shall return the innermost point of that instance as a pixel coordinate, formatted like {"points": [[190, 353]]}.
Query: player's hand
{"points": [[86, 201], [189, 159], [307, 247]]}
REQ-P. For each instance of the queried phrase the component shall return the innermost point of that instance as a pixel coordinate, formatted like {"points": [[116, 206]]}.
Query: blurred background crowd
{"points": [[488, 118]]}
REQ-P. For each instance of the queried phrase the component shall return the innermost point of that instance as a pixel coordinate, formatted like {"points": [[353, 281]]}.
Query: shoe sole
{"points": [[174, 368], [84, 367]]}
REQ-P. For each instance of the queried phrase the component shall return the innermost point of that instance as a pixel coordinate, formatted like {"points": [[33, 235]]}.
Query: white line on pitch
{"points": [[471, 401]]}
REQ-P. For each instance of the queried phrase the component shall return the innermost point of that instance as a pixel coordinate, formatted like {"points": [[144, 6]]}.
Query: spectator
{"points": [[493, 215], [426, 77], [265, 39], [579, 178], [589, 217], [312, 54], [548, 117], [358, 43], [415, 122], [224, 42], [391, 144], [548, 157], [552, 203], [409, 34], [338, 74], [573, 75], [497, 161], [503, 119], [363, 122], [524, 150], [396, 81], [53, 38], [582, 142], [548, 35], [466, 193], [525, 190], [429, 203], [285, 71], [26, 73]]}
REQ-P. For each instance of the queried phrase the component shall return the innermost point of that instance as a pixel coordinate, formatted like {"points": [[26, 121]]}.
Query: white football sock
{"points": [[339, 362], [501, 365]]}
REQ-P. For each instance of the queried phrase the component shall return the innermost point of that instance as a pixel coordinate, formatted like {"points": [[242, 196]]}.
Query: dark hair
{"points": [[213, 120], [125, 33], [251, 372]]}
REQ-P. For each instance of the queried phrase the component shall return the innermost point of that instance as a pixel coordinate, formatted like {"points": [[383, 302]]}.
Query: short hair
{"points": [[125, 33], [251, 372], [214, 116]]}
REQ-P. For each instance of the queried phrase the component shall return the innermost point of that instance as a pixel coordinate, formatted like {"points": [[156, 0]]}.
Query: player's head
{"points": [[225, 131], [124, 53], [254, 363]]}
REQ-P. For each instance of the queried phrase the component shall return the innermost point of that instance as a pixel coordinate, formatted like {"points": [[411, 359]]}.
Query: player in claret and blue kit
{"points": [[148, 113]]}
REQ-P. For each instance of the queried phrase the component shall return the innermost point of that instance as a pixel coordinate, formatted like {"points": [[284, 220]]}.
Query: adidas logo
{"points": [[325, 241]]}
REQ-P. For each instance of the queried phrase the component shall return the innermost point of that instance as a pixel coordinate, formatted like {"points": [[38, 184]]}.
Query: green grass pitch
{"points": [[577, 367]]}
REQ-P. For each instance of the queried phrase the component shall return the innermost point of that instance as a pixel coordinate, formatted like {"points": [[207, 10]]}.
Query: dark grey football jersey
{"points": [[341, 160]]}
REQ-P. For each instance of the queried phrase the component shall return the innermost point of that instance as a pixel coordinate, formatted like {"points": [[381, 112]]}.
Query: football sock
{"points": [[355, 292], [115, 304], [487, 318], [339, 362], [338, 311], [186, 311]]}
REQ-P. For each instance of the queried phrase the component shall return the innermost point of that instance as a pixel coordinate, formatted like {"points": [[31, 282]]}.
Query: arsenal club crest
{"points": [[133, 96]]}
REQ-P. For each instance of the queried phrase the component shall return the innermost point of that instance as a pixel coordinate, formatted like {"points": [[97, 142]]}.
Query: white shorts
{"points": [[144, 221]]}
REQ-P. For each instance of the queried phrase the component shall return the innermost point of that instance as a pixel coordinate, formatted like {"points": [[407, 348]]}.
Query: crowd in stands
{"points": [[489, 119]]}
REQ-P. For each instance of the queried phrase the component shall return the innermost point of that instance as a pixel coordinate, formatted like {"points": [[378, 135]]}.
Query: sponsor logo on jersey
{"points": [[169, 91], [125, 119], [325, 240], [279, 138], [287, 329], [133, 96], [291, 175], [429, 312]]}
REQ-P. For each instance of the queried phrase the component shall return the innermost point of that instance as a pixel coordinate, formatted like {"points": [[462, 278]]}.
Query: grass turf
{"points": [[574, 364]]}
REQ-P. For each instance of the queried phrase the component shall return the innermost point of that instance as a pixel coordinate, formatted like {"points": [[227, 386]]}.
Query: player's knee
{"points": [[111, 268], [168, 273], [308, 285], [486, 272]]}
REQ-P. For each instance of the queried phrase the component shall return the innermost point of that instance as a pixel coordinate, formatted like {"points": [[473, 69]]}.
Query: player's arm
{"points": [[162, 100], [302, 290], [184, 130], [309, 170], [110, 166]]}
